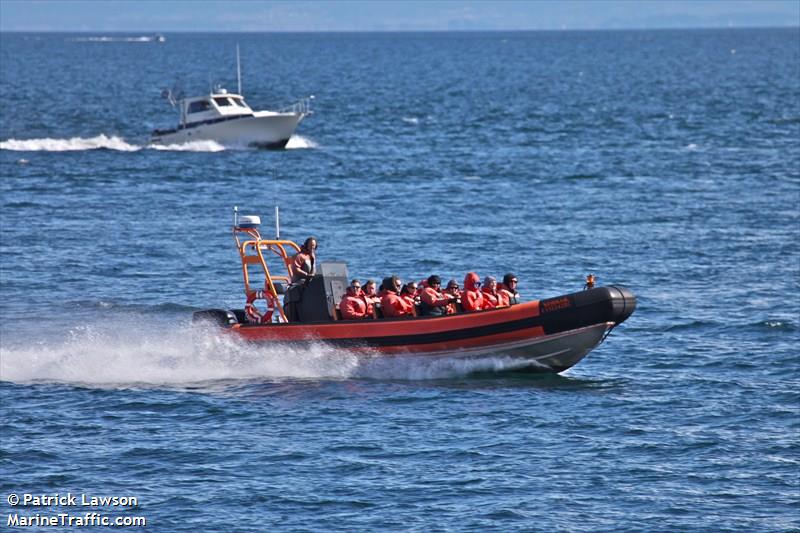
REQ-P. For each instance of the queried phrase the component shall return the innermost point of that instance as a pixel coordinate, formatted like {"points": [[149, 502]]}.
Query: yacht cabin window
{"points": [[222, 101], [198, 106], [239, 102]]}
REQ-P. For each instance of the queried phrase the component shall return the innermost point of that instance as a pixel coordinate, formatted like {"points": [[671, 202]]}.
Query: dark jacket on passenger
{"points": [[433, 302], [509, 297]]}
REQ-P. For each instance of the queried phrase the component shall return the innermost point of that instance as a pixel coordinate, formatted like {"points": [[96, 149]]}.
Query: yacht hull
{"points": [[263, 129]]}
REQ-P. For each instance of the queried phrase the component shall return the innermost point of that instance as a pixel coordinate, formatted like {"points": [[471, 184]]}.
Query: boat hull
{"points": [[263, 129], [548, 335]]}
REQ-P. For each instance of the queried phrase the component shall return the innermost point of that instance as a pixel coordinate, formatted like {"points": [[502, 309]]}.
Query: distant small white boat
{"points": [[226, 118]]}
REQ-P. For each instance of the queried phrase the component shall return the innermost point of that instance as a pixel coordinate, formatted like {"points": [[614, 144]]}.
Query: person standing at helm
{"points": [[471, 297], [302, 268], [304, 262], [392, 304]]}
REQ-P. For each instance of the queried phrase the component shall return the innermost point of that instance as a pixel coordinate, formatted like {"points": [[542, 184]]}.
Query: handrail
{"points": [[302, 106], [259, 245]]}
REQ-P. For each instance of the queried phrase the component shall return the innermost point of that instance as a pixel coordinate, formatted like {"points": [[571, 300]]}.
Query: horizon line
{"points": [[488, 30]]}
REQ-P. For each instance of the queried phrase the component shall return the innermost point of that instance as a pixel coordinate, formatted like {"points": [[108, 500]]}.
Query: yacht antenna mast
{"points": [[238, 71]]}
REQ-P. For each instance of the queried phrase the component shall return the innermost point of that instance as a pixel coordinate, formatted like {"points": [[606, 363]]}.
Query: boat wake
{"points": [[104, 142], [137, 353], [298, 142], [110, 39], [73, 144]]}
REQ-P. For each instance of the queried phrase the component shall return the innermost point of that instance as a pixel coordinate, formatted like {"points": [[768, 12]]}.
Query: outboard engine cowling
{"points": [[219, 317]]}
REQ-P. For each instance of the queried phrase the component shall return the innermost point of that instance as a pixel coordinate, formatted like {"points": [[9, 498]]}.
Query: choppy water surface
{"points": [[665, 161]]}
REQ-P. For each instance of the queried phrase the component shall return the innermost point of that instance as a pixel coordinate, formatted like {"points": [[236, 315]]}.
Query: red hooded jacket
{"points": [[472, 297]]}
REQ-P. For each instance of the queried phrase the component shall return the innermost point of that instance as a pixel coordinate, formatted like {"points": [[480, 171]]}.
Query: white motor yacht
{"points": [[226, 118]]}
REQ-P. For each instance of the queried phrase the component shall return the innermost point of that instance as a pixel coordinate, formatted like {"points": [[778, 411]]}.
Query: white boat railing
{"points": [[302, 106]]}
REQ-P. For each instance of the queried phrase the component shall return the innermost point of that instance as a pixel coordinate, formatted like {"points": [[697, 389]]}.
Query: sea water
{"points": [[664, 161]]}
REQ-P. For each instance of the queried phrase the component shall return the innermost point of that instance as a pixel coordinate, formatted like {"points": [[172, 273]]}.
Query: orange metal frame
{"points": [[251, 251]]}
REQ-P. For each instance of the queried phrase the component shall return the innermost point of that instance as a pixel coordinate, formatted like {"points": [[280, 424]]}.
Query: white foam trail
{"points": [[193, 146], [102, 141], [103, 39], [130, 352], [69, 145], [127, 354], [425, 368], [298, 142], [411, 120]]}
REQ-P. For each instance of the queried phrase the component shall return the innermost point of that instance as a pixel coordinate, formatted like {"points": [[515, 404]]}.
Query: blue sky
{"points": [[388, 15]]}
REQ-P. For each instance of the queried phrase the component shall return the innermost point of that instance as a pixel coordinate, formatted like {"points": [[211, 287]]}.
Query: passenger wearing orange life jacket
{"points": [[421, 286], [370, 296], [472, 297], [490, 297], [382, 290], [508, 289], [353, 305], [392, 304], [432, 301], [409, 292], [452, 290], [502, 298]]}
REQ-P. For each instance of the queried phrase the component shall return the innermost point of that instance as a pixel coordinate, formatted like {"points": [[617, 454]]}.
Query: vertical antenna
{"points": [[238, 71], [235, 216], [277, 210]]}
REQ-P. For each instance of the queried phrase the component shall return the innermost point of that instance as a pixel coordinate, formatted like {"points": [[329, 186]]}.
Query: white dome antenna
{"points": [[245, 221], [249, 222]]}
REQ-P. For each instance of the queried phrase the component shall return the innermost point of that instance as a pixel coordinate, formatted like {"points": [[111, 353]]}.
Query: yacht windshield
{"points": [[198, 106], [240, 102], [222, 101]]}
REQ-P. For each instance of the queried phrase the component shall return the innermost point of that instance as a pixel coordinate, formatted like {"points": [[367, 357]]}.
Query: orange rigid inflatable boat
{"points": [[548, 335]]}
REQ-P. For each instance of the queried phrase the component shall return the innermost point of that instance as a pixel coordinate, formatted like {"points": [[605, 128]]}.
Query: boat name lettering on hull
{"points": [[555, 305]]}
